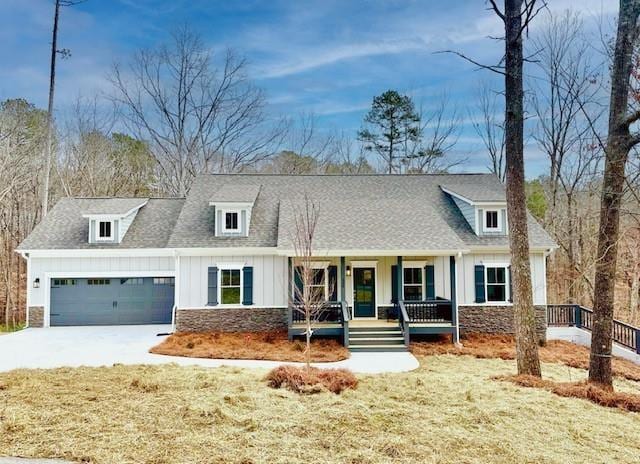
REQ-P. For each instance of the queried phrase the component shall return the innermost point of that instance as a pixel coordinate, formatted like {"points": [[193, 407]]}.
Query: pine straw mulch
{"points": [[487, 346], [583, 390], [311, 380], [271, 346]]}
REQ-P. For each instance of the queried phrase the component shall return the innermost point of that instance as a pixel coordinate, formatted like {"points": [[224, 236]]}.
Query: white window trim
{"points": [[224, 221], [507, 293], [324, 265], [485, 228], [413, 265], [230, 268], [111, 237]]}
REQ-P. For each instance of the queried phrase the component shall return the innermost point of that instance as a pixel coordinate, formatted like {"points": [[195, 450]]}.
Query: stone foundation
{"points": [[36, 316], [497, 319], [231, 319]]}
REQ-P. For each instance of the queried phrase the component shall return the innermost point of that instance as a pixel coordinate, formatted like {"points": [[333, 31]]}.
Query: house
{"points": [[397, 256]]}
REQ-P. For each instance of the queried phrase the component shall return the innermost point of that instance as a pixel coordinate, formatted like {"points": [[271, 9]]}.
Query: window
{"points": [[63, 282], [132, 281], [496, 281], [105, 230], [412, 283], [491, 220], [231, 221], [98, 281], [318, 286], [163, 281], [230, 287]]}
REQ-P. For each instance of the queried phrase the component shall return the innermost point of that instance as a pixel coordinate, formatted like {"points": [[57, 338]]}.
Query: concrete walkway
{"points": [[105, 346]]}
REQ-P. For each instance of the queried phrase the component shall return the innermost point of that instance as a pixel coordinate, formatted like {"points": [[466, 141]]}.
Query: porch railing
{"points": [[437, 310], [569, 315], [330, 312]]}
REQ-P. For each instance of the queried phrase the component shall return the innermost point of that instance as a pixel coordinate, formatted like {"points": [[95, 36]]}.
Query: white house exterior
{"points": [[222, 258]]}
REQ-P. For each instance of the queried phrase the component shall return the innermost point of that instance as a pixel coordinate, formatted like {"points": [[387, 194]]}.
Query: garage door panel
{"points": [[111, 301]]}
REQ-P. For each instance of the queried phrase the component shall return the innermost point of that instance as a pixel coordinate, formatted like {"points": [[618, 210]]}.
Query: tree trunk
{"points": [[49, 137], [524, 315], [619, 142]]}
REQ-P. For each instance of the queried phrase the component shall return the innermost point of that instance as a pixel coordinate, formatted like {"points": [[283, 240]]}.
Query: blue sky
{"points": [[324, 57]]}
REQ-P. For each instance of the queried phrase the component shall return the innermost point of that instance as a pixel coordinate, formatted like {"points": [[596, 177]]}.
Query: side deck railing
{"points": [[570, 315], [333, 312], [436, 310]]}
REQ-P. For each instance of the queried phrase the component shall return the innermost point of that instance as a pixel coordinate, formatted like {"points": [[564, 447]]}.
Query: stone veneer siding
{"points": [[497, 319], [231, 319], [36, 316]]}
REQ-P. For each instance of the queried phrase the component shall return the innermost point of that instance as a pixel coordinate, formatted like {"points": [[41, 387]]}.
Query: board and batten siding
{"points": [[269, 279], [466, 279], [121, 265]]}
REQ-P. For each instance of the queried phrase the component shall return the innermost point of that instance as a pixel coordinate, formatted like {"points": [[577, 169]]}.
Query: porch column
{"points": [[289, 298], [454, 298], [399, 279], [343, 279]]}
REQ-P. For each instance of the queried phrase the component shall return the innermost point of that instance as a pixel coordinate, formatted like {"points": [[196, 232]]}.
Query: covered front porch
{"points": [[380, 301]]}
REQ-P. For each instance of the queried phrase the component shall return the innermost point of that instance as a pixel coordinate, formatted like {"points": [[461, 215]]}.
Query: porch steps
{"points": [[376, 339]]}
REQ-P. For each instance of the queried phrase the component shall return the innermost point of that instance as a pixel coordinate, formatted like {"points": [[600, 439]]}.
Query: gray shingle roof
{"points": [[65, 228], [231, 193], [480, 188], [115, 206], [372, 212]]}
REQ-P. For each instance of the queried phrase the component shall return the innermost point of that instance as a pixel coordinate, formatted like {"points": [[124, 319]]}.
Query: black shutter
{"points": [[479, 274], [333, 282], [247, 285], [430, 276], [510, 286], [212, 286], [297, 282], [394, 284]]}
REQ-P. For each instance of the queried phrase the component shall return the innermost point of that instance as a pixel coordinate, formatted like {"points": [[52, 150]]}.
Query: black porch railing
{"points": [[330, 312], [568, 315], [438, 310]]}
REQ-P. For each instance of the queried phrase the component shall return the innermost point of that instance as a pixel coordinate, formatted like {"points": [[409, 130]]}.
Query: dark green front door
{"points": [[364, 292]]}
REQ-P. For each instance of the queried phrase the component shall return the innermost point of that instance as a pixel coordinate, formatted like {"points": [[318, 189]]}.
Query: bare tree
{"points": [[65, 53], [197, 116], [309, 297], [490, 128], [516, 17], [620, 141]]}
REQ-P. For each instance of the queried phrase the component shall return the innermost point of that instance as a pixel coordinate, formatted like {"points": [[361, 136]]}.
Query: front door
{"points": [[364, 292]]}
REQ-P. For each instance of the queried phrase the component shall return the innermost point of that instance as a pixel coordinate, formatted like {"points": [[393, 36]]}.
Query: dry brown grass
{"points": [[583, 390], [448, 411], [272, 346], [485, 346], [311, 380]]}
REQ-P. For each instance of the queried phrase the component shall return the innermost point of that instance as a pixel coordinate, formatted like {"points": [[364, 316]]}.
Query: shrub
{"points": [[311, 380]]}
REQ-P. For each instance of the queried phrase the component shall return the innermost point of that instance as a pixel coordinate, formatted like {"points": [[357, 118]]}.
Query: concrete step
{"points": [[377, 348], [377, 341], [391, 328]]}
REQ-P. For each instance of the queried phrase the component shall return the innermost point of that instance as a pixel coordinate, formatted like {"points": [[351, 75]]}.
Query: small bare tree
{"points": [[309, 295]]}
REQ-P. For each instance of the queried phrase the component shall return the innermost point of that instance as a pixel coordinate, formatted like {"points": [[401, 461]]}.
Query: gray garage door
{"points": [[112, 301]]}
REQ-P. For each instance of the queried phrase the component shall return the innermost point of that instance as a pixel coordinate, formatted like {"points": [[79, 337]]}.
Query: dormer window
{"points": [[492, 220], [105, 230], [231, 222]]}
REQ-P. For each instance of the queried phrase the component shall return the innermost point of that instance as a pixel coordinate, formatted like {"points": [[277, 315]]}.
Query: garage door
{"points": [[112, 301]]}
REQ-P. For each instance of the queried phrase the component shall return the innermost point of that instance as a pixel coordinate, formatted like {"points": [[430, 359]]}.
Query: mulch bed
{"points": [[503, 347], [271, 346]]}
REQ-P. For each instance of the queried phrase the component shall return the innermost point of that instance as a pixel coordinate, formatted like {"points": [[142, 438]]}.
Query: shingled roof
{"points": [[364, 212], [64, 227]]}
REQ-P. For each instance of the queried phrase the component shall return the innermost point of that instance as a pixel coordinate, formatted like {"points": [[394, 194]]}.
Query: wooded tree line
{"points": [[180, 109]]}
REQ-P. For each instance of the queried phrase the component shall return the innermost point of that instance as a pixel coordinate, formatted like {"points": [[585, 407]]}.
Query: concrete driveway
{"points": [[108, 345]]}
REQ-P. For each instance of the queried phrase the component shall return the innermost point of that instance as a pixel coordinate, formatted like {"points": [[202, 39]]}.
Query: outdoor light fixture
{"points": [[36, 283], [348, 271]]}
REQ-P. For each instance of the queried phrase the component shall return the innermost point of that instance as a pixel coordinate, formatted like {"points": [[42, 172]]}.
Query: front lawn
{"points": [[272, 346], [447, 411]]}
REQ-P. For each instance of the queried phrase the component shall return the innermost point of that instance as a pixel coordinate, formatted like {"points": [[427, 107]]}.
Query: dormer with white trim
{"points": [[486, 217], [232, 206], [110, 219]]}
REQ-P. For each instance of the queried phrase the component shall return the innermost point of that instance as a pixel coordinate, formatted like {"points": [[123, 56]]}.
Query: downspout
{"points": [[457, 280]]}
